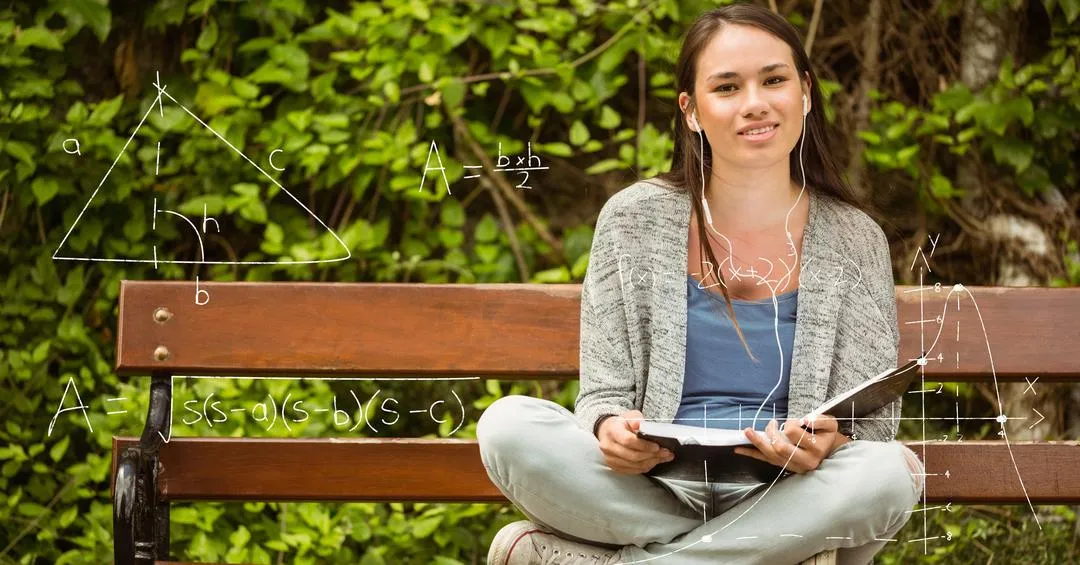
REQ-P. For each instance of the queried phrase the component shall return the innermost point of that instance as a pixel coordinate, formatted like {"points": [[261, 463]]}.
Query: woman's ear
{"points": [[689, 113]]}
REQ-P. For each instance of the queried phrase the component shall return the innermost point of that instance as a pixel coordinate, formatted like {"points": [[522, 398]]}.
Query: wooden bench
{"points": [[504, 331]]}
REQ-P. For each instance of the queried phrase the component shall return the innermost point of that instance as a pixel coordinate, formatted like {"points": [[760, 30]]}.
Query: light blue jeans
{"points": [[553, 471]]}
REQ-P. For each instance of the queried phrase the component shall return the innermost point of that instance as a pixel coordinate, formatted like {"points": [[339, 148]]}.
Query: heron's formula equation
{"points": [[350, 416], [211, 412]]}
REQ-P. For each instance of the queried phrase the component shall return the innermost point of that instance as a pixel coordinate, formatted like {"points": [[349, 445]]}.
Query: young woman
{"points": [[740, 290]]}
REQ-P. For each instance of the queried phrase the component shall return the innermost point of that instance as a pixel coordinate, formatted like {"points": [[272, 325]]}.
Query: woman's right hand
{"points": [[624, 451]]}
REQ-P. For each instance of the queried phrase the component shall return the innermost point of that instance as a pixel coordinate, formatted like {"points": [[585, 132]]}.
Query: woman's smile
{"points": [[760, 135]]}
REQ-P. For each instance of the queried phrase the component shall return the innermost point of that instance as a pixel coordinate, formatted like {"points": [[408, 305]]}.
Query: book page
{"points": [[696, 435]]}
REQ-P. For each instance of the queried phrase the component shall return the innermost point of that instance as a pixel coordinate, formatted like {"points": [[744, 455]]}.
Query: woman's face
{"points": [[746, 76]]}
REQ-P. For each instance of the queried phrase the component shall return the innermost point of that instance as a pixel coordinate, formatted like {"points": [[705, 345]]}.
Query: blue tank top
{"points": [[722, 386]]}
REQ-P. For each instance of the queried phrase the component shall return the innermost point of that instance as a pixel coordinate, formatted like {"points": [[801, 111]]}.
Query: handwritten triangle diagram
{"points": [[196, 230]]}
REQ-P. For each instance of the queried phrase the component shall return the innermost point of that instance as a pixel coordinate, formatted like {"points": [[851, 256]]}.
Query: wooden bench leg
{"points": [[827, 557]]}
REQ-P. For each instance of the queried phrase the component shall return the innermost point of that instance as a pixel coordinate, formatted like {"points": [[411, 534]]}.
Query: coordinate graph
{"points": [[940, 333], [247, 198], [957, 295]]}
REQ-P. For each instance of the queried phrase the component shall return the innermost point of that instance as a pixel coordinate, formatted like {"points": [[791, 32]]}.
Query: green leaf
{"points": [[244, 89], [41, 352], [1021, 107], [562, 102], [208, 37], [487, 253], [68, 517], [44, 188], [579, 134], [592, 146], [496, 37], [215, 98], [300, 119], [31, 509], [871, 138], [20, 150], [557, 149], [896, 130], [1015, 152], [614, 55], [420, 10], [254, 211], [423, 527], [452, 214], [91, 13], [105, 110], [904, 155], [360, 235], [240, 537], [1071, 9], [604, 166], [1033, 180], [274, 233], [609, 119], [536, 93], [59, 448], [426, 73], [1036, 86], [451, 238], [580, 266], [372, 557], [39, 37], [269, 72], [941, 186], [953, 99], [170, 118], [556, 275], [487, 229], [1024, 74], [453, 92], [77, 113], [214, 203]]}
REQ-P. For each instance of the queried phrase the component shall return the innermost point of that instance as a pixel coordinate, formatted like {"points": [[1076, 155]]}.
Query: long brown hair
{"points": [[822, 171]]}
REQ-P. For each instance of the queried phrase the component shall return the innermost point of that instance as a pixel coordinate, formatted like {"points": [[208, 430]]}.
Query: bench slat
{"points": [[450, 470], [517, 331]]}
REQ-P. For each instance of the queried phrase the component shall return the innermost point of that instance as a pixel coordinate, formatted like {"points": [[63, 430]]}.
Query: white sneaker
{"points": [[527, 543]]}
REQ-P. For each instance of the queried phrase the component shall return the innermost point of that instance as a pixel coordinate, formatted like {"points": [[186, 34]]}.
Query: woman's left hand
{"points": [[798, 449]]}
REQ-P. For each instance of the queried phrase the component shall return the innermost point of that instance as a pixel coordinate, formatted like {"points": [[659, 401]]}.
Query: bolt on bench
{"points": [[504, 331]]}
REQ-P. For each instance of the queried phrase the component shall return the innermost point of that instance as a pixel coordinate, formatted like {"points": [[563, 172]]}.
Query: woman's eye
{"points": [[723, 87]]}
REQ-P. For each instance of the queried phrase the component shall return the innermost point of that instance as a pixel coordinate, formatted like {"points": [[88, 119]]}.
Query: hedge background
{"points": [[354, 94]]}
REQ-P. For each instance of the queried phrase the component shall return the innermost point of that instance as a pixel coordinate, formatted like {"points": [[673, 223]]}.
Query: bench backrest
{"points": [[526, 331]]}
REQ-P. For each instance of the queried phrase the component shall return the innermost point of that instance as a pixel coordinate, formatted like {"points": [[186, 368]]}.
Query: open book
{"points": [[717, 445]]}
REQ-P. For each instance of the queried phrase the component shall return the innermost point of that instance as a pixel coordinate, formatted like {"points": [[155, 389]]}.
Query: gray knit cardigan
{"points": [[633, 309]]}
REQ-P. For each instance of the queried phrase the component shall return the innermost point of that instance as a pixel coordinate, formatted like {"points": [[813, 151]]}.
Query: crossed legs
{"points": [[553, 471]]}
